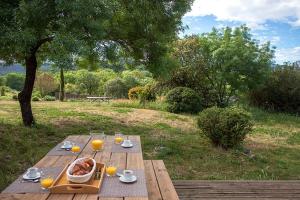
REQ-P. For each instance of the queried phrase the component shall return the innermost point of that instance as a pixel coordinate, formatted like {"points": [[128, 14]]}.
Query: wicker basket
{"points": [[82, 178]]}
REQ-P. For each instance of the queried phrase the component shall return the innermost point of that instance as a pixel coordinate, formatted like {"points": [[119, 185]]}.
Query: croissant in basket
{"points": [[82, 168]]}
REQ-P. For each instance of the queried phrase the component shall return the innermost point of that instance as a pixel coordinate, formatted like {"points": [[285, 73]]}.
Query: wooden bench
{"points": [[103, 99], [159, 183], [237, 190]]}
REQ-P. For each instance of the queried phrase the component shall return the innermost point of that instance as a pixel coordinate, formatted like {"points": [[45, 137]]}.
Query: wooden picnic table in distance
{"points": [[104, 99]]}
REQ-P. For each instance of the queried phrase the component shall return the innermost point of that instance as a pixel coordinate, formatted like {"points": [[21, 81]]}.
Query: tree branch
{"points": [[40, 42]]}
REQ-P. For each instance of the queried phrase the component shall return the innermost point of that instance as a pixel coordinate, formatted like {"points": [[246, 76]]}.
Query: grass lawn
{"points": [[187, 153]]}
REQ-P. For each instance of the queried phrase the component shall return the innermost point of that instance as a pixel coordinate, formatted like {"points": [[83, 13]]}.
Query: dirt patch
{"points": [[137, 116], [63, 122]]}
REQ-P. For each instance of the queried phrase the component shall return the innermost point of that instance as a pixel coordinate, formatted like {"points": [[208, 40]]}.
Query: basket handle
{"points": [[74, 187]]}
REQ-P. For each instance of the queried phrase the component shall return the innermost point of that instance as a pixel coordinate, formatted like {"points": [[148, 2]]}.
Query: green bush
{"points": [[2, 81], [35, 98], [36, 93], [183, 100], [15, 81], [281, 92], [148, 94], [116, 88], [130, 82], [226, 127], [15, 97], [2, 91], [134, 93], [49, 98]]}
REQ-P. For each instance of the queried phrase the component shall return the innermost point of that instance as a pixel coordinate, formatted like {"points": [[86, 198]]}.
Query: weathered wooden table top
{"points": [[125, 160]]}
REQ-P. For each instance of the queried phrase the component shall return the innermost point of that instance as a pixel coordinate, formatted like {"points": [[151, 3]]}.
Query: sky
{"points": [[277, 21]]}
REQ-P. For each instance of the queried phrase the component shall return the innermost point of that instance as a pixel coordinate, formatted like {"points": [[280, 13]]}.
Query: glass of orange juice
{"points": [[46, 182], [75, 149], [119, 137], [98, 138], [111, 169]]}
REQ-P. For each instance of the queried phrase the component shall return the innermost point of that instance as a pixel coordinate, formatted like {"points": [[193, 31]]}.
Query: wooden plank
{"points": [[61, 197], [135, 161], [23, 196], [86, 197], [167, 189], [109, 141], [47, 161], [152, 185], [119, 159], [102, 157], [189, 190], [136, 198]]}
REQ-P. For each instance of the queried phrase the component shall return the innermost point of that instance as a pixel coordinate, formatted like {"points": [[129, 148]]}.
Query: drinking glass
{"points": [[98, 138], [75, 148], [111, 169], [119, 138], [46, 181]]}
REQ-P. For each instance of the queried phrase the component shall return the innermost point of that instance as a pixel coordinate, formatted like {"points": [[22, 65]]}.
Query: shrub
{"points": [[281, 92], [36, 93], [135, 92], [15, 97], [2, 81], [182, 99], [226, 127], [2, 92], [88, 82], [45, 83], [130, 82], [116, 88], [15, 81], [49, 98], [148, 94], [35, 98]]}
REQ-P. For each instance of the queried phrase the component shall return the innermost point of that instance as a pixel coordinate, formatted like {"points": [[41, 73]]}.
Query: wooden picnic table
{"points": [[104, 99], [158, 183]]}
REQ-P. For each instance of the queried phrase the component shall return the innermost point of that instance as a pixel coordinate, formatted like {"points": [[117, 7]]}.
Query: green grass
{"points": [[187, 153]]}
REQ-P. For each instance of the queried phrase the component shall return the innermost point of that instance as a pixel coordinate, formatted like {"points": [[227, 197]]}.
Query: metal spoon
{"points": [[30, 180]]}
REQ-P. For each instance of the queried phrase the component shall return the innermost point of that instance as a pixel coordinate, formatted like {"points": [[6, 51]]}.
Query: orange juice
{"points": [[46, 182], [75, 149], [111, 171], [97, 144], [118, 140]]}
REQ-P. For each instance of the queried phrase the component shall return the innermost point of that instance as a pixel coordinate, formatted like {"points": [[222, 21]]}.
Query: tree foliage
{"points": [[34, 31], [15, 81], [281, 92], [225, 61]]}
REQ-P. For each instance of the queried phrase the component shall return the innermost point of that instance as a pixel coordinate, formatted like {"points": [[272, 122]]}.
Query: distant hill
{"points": [[17, 68], [12, 68]]}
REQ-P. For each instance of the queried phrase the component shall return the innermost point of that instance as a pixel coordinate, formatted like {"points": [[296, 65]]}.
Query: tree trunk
{"points": [[62, 85], [25, 95]]}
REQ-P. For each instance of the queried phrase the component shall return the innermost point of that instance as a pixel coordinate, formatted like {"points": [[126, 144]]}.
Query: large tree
{"points": [[225, 62], [29, 28]]}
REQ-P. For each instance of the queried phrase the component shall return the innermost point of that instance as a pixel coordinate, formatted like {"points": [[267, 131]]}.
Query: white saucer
{"points": [[133, 179], [127, 146], [26, 177], [66, 147]]}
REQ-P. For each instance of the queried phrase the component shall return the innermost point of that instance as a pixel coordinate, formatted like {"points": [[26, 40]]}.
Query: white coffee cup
{"points": [[127, 142], [128, 174], [32, 172], [67, 144]]}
